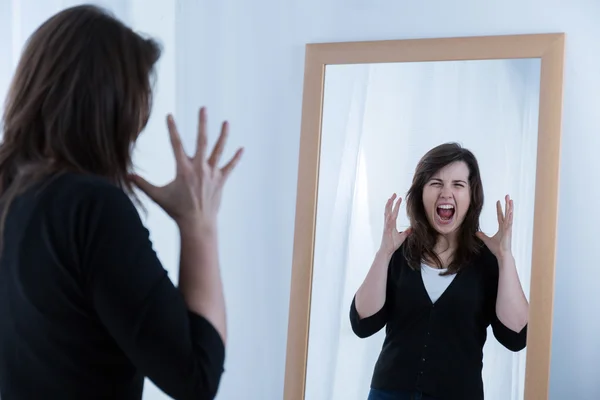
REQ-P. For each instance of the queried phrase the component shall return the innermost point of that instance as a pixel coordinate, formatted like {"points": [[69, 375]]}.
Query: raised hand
{"points": [[500, 243], [195, 193], [392, 239]]}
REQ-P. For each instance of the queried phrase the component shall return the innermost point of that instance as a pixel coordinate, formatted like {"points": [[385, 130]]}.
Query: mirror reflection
{"points": [[422, 261]]}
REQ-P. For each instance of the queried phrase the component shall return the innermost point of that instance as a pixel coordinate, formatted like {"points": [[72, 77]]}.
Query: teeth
{"points": [[446, 206]]}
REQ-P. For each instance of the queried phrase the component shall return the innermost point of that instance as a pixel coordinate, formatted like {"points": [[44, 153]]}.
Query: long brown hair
{"points": [[81, 94], [421, 242]]}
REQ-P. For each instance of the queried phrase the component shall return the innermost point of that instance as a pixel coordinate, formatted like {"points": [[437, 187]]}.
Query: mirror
{"points": [[378, 121], [371, 113]]}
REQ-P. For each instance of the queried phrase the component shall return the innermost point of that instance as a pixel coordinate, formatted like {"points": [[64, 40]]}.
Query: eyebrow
{"points": [[454, 181]]}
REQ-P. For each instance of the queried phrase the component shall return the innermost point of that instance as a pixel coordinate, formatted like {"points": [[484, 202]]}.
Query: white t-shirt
{"points": [[434, 283]]}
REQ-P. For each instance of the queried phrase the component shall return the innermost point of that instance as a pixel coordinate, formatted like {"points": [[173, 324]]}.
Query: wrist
{"points": [[384, 254], [197, 227], [504, 256]]}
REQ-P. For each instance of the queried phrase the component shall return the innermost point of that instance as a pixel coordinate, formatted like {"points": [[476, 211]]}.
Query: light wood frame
{"points": [[548, 47]]}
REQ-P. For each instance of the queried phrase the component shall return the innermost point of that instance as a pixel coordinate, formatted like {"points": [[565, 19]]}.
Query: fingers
{"points": [[201, 141], [388, 205], [226, 170], [178, 149], [405, 233], [219, 146], [149, 189], [401, 236], [396, 209], [484, 238], [499, 213], [217, 152], [509, 212]]}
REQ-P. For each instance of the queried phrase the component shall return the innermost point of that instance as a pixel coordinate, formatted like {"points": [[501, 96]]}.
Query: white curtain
{"points": [[378, 121]]}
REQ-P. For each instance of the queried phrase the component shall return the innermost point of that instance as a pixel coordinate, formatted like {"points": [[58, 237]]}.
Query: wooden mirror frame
{"points": [[548, 47]]}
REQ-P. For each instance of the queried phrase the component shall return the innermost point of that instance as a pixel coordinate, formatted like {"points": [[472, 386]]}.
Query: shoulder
{"points": [[85, 196], [484, 254], [486, 260], [86, 188], [399, 260], [77, 183], [400, 254]]}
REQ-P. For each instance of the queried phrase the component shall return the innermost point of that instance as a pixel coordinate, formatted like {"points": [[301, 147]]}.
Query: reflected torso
{"points": [[434, 282], [436, 347]]}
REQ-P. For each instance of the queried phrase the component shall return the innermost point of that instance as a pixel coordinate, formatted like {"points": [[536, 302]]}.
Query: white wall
{"points": [[153, 156], [245, 61]]}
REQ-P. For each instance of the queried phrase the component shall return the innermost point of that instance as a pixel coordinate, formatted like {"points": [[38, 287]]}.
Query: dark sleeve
{"points": [[365, 327], [513, 341], [178, 350]]}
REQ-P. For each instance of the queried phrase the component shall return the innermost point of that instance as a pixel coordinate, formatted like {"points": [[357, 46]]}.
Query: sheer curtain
{"points": [[378, 121], [337, 177]]}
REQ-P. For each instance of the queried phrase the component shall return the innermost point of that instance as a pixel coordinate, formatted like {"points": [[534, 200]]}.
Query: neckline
{"points": [[443, 295], [433, 268]]}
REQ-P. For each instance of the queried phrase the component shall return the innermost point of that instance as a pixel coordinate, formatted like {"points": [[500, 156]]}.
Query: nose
{"points": [[446, 193]]}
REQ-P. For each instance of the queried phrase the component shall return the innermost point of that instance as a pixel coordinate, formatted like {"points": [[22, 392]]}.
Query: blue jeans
{"points": [[376, 394]]}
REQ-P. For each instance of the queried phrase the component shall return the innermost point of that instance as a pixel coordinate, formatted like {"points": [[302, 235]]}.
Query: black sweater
{"points": [[437, 348], [86, 309]]}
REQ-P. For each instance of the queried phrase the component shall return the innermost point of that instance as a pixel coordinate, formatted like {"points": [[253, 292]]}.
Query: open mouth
{"points": [[445, 212]]}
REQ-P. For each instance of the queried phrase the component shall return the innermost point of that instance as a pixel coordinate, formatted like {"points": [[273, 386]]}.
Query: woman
{"points": [[438, 285], [87, 309]]}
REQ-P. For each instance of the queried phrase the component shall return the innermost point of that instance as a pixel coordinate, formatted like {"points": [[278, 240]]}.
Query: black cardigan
{"points": [[87, 310], [437, 348]]}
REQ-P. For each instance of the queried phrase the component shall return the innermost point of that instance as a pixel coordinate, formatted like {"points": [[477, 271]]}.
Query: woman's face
{"points": [[447, 196]]}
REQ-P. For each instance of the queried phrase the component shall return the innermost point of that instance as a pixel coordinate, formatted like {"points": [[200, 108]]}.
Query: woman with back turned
{"points": [[438, 285], [87, 311]]}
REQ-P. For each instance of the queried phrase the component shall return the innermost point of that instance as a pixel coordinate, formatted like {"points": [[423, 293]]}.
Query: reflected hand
{"points": [[500, 243], [195, 193], [392, 239]]}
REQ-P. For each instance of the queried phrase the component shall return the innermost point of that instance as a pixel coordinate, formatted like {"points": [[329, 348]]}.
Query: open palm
{"points": [[500, 244], [196, 190], [392, 239]]}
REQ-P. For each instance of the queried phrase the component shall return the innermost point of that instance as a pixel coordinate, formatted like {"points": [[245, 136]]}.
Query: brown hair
{"points": [[423, 238], [81, 94]]}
